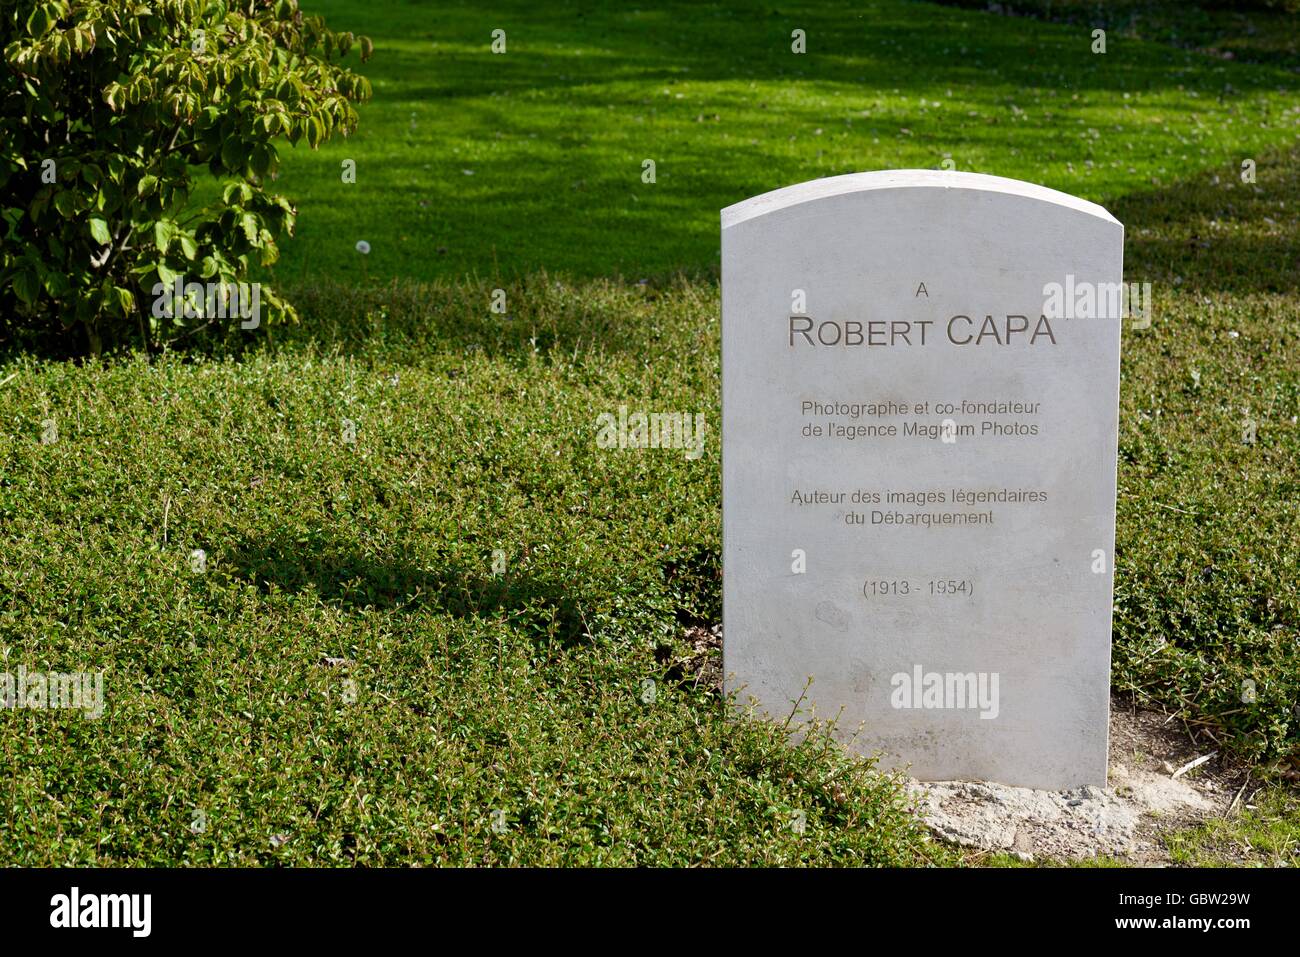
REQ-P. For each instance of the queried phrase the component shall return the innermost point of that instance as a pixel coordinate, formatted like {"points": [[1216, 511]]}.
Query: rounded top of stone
{"points": [[800, 193]]}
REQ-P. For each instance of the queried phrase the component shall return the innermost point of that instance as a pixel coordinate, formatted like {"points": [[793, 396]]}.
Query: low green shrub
{"points": [[109, 112]]}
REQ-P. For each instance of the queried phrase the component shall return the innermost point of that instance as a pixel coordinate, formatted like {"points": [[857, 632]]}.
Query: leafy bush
{"points": [[109, 110]]}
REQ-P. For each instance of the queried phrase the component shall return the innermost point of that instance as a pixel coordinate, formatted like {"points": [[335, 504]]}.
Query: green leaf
{"points": [[147, 185], [238, 186], [56, 284], [232, 155], [65, 201], [125, 300], [39, 22], [163, 232], [27, 286], [99, 231], [261, 159]]}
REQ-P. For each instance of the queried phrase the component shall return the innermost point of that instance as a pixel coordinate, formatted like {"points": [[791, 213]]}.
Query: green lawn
{"points": [[474, 163], [350, 680]]}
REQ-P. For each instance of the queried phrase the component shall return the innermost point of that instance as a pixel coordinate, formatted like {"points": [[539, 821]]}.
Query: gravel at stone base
{"points": [[1122, 820]]}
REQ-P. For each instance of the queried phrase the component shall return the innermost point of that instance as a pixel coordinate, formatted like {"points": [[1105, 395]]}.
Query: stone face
{"points": [[920, 408]]}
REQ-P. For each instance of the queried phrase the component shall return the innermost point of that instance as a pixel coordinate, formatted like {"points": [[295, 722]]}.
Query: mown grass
{"points": [[351, 681], [501, 165]]}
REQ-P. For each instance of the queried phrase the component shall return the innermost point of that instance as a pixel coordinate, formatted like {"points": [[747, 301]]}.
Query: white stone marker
{"points": [[919, 444]]}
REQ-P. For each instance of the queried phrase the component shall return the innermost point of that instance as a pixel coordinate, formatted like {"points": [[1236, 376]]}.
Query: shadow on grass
{"points": [[1256, 33], [340, 575], [1214, 233], [407, 321], [565, 45], [549, 609]]}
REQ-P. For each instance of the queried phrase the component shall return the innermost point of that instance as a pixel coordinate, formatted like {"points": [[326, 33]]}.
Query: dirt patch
{"points": [[1151, 791], [698, 659]]}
